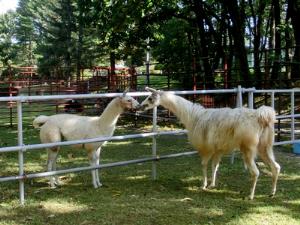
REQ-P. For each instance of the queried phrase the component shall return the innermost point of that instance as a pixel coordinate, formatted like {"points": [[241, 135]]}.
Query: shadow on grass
{"points": [[136, 199], [129, 196]]}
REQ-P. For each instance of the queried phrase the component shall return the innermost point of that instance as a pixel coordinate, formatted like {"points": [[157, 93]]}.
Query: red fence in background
{"points": [[25, 80]]}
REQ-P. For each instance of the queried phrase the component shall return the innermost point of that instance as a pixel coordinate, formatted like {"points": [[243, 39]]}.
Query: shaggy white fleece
{"points": [[69, 127], [215, 132]]}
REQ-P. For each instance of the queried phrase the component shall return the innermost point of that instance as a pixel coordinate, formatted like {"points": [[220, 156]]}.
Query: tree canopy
{"points": [[252, 40]]}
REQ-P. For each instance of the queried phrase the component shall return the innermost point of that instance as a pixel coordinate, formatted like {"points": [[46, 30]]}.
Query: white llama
{"points": [[73, 127], [215, 132]]}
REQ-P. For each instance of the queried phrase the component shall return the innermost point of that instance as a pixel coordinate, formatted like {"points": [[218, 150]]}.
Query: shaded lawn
{"points": [[130, 196]]}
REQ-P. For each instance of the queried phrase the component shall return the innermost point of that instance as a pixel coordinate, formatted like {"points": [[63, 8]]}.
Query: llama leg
{"points": [[50, 133], [214, 166], [254, 172], [56, 178], [98, 151], [267, 156], [204, 162], [92, 159], [52, 156]]}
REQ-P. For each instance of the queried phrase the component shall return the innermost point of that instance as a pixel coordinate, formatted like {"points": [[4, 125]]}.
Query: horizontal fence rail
{"points": [[106, 165], [90, 140], [22, 148]]}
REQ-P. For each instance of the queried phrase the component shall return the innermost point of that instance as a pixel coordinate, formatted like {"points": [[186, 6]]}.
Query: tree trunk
{"points": [[257, 18], [79, 43], [288, 51], [220, 37], [276, 64], [294, 12], [199, 12], [192, 68], [238, 29], [112, 80], [68, 38]]}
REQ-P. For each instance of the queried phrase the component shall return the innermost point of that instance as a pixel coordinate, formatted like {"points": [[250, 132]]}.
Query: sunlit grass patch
{"points": [[141, 177], [266, 215], [61, 207]]}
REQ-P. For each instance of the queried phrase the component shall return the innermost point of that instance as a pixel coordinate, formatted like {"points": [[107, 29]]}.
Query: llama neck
{"points": [[181, 107], [111, 113]]}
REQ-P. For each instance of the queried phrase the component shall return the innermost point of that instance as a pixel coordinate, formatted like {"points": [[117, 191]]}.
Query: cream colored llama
{"points": [[73, 127], [215, 132]]}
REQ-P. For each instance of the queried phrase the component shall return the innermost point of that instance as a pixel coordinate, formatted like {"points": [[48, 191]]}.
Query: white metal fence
{"points": [[21, 148]]}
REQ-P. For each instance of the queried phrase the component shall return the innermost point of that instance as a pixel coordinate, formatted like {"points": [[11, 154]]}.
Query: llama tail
{"points": [[39, 121], [266, 119], [266, 116]]}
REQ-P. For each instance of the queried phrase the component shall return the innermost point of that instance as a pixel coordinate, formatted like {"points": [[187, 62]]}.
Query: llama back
{"points": [[216, 129], [225, 128]]}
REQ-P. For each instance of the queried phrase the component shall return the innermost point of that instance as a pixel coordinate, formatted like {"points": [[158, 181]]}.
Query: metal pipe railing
{"points": [[154, 148], [102, 166], [22, 98], [90, 140], [239, 103], [20, 154], [293, 115], [21, 147]]}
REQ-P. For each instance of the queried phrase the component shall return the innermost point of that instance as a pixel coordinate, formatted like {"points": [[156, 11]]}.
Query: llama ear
{"points": [[151, 90], [154, 91], [125, 92]]}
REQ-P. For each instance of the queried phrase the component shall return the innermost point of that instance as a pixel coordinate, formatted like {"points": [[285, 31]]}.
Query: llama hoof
{"points": [[272, 195], [211, 187], [248, 198], [97, 185], [53, 186], [58, 183], [204, 188]]}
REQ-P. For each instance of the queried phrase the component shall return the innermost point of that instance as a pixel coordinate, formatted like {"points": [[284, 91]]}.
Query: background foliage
{"points": [[197, 37]]}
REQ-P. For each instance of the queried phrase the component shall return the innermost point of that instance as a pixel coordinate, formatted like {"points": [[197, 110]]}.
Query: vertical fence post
{"points": [[148, 63], [239, 103], [20, 155], [250, 100], [154, 129], [292, 116], [273, 99], [11, 114]]}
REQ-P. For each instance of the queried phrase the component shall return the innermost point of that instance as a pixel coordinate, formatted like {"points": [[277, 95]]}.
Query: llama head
{"points": [[128, 102], [152, 100]]}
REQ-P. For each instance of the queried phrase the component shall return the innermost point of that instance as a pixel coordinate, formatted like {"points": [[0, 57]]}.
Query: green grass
{"points": [[159, 81], [129, 195]]}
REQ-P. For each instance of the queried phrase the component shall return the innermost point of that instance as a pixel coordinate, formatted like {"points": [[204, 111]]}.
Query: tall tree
{"points": [[277, 39], [25, 31], [198, 8], [8, 49], [236, 12], [257, 10], [75, 34], [57, 22], [294, 14]]}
